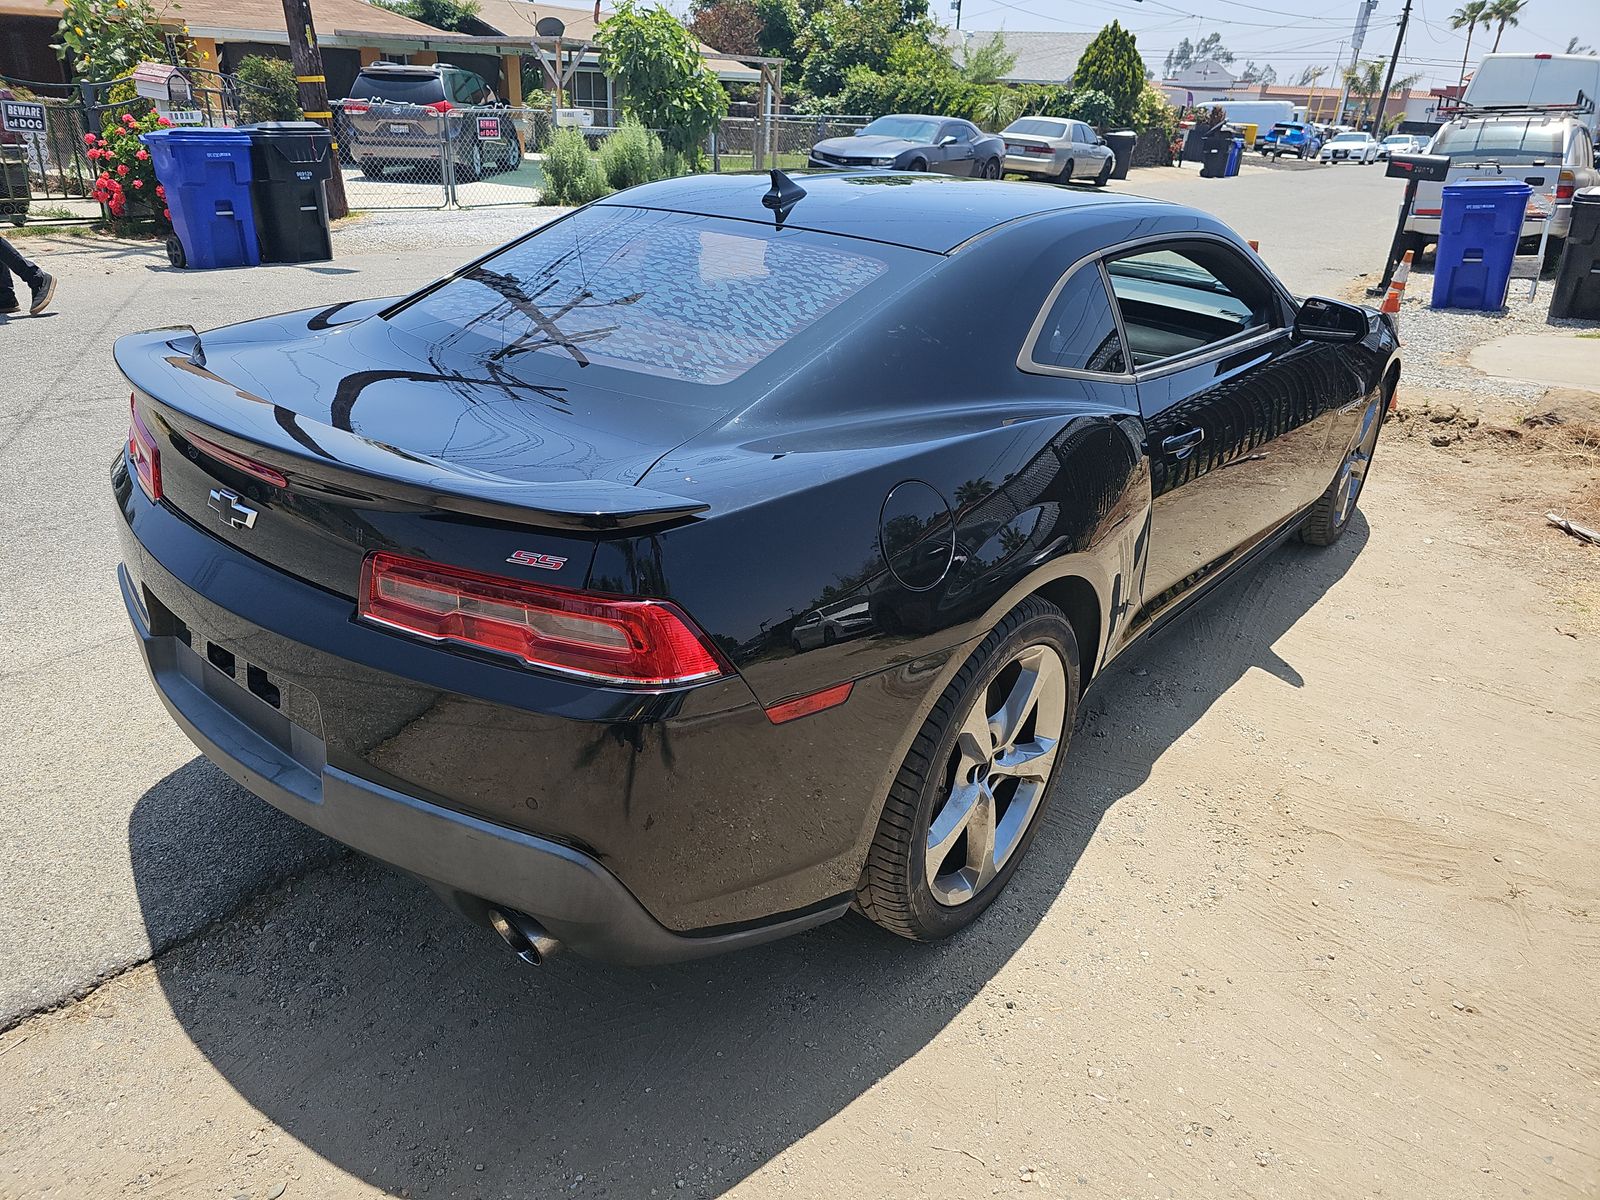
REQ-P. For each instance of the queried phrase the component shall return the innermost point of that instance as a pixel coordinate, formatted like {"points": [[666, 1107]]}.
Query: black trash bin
{"points": [[1214, 157], [16, 193], [290, 165], [1577, 291], [1122, 142]]}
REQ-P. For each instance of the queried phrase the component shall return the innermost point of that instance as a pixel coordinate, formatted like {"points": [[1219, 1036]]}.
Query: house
{"points": [[1042, 56]]}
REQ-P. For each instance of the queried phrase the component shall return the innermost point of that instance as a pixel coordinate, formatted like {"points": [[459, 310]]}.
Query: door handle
{"points": [[1181, 445]]}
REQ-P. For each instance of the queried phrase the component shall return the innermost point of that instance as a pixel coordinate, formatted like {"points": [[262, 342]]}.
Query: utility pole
{"points": [[307, 56], [955, 7], [1359, 35], [1399, 41]]}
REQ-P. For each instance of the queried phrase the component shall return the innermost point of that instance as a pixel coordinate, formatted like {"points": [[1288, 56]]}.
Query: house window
{"points": [[591, 89]]}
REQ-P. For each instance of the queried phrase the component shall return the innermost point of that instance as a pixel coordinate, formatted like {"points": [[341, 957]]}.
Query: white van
{"points": [[1536, 80]]}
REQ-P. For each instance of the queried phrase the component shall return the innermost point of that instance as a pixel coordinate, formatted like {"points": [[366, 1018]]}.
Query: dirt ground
{"points": [[1316, 913]]}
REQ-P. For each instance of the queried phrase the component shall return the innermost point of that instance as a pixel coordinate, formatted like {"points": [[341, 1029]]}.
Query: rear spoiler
{"points": [[167, 368]]}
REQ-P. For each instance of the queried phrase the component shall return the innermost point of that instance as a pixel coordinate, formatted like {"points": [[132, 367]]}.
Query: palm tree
{"points": [[1469, 16], [1503, 13]]}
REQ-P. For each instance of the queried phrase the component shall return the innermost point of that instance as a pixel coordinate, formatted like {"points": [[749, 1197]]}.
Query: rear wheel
{"points": [[1066, 172], [991, 169], [175, 253], [372, 168], [967, 800], [1330, 515]]}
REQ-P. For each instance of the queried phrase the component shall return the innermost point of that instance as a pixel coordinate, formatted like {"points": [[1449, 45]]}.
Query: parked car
{"points": [[911, 142], [1554, 154], [1401, 143], [499, 582], [1057, 148], [1351, 146], [1291, 137], [399, 116], [831, 623]]}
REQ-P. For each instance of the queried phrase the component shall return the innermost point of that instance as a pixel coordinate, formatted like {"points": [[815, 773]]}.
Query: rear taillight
{"points": [[610, 639], [1038, 150], [1430, 212], [356, 106], [143, 456], [1566, 185], [438, 106], [236, 460]]}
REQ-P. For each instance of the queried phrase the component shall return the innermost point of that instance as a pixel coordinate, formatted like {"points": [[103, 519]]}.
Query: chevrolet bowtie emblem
{"points": [[226, 505]]}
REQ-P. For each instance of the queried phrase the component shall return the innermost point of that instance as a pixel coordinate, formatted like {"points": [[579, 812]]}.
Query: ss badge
{"points": [[547, 562]]}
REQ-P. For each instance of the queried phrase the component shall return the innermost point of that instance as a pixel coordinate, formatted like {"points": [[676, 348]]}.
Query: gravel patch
{"points": [[411, 229], [1436, 341]]}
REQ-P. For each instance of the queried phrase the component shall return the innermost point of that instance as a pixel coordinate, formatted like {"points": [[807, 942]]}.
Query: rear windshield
{"points": [[402, 89], [1288, 128], [1038, 127], [673, 295], [909, 129], [1501, 140]]}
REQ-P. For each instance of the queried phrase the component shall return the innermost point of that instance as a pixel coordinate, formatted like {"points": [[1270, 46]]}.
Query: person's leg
{"points": [[41, 284], [8, 287]]}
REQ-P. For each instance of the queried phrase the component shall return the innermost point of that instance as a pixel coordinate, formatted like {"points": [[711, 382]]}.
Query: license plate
{"points": [[1010, 149], [396, 128]]}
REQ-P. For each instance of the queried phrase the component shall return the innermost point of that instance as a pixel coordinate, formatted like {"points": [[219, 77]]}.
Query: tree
{"points": [[731, 25], [1265, 74], [1469, 17], [780, 25], [1365, 79], [1187, 53], [102, 40], [1503, 13], [665, 83], [850, 33], [1573, 47], [1111, 64], [989, 62], [1309, 76], [457, 16], [267, 90]]}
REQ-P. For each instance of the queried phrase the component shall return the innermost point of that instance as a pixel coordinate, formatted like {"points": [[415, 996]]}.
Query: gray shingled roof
{"points": [[1041, 57]]}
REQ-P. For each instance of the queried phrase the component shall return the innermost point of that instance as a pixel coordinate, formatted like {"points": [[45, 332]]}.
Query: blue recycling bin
{"points": [[1235, 154], [206, 174], [1479, 225]]}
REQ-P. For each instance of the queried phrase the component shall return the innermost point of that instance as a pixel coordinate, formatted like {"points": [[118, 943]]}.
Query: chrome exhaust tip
{"points": [[526, 937]]}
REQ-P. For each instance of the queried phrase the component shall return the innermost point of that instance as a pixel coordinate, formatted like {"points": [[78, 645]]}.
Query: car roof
{"points": [[389, 68], [924, 212]]}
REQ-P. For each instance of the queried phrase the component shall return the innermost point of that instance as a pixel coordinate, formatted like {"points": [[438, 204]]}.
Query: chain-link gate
{"points": [[506, 169], [756, 143]]}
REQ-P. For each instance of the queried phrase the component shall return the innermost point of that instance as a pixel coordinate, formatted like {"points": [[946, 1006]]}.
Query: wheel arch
{"points": [[1076, 597]]}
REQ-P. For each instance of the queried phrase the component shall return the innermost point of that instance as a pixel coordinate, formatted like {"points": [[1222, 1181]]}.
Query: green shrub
{"points": [[571, 174], [268, 91], [631, 155], [1153, 112]]}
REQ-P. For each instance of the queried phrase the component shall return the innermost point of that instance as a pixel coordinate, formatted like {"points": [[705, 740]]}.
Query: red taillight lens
{"points": [[236, 460], [607, 638], [143, 456], [355, 106], [439, 106], [1566, 185], [1038, 150]]}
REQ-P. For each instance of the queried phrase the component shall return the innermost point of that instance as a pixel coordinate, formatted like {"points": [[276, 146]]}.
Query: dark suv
{"points": [[402, 116]]}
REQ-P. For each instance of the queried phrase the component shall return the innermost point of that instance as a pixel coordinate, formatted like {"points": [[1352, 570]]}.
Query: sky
{"points": [[1294, 34]]}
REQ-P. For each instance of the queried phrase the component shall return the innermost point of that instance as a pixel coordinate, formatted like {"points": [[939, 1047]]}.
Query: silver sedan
{"points": [[1058, 149]]}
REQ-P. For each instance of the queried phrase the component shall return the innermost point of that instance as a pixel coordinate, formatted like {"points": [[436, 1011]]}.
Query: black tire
{"points": [[175, 252], [1104, 177], [1330, 515], [1066, 172], [894, 891], [372, 168], [991, 169], [472, 170], [916, 164]]}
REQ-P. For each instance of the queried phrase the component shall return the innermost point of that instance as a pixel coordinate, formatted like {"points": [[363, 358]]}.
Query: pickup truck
{"points": [[1290, 137]]}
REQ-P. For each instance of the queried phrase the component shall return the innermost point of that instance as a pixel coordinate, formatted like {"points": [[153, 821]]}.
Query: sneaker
{"points": [[8, 305], [42, 291]]}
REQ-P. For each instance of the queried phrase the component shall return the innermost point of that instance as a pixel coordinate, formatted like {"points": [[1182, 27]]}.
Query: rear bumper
{"points": [[1034, 164], [636, 827], [580, 902], [1560, 224]]}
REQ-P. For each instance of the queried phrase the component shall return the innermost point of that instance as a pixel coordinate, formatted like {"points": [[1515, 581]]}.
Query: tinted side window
{"points": [[959, 132], [1080, 330], [1177, 299]]}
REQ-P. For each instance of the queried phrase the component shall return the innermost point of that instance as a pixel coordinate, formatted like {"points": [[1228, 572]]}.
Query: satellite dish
{"points": [[550, 27]]}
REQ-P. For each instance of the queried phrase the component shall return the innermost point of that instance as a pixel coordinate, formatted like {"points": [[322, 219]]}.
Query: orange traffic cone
{"points": [[1397, 286]]}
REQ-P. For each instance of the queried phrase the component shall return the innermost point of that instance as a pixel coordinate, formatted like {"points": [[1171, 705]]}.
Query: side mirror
{"points": [[1099, 141], [948, 139], [1324, 320]]}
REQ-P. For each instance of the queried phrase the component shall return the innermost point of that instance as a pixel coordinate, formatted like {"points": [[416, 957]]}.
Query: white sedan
{"points": [[1351, 147]]}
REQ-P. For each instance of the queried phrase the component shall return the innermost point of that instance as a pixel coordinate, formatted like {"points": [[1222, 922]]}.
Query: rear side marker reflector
{"points": [[236, 460], [143, 455], [804, 706], [609, 639]]}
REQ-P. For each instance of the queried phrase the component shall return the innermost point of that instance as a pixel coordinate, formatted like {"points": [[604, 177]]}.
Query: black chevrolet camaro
{"points": [[722, 556]]}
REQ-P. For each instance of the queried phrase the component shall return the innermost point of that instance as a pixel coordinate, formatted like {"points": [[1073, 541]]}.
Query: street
{"points": [[1322, 851]]}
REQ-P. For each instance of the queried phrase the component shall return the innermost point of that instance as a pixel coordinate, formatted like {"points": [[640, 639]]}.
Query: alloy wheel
{"points": [[1353, 472], [997, 774]]}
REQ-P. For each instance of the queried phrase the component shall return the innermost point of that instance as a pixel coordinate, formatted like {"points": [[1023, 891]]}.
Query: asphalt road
{"points": [[100, 789]]}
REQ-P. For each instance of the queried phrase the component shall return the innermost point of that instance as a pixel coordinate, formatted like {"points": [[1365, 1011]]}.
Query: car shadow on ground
{"points": [[414, 1052]]}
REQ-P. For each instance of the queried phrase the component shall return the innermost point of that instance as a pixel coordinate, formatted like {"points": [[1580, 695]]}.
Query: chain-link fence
{"points": [[756, 143], [398, 155]]}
